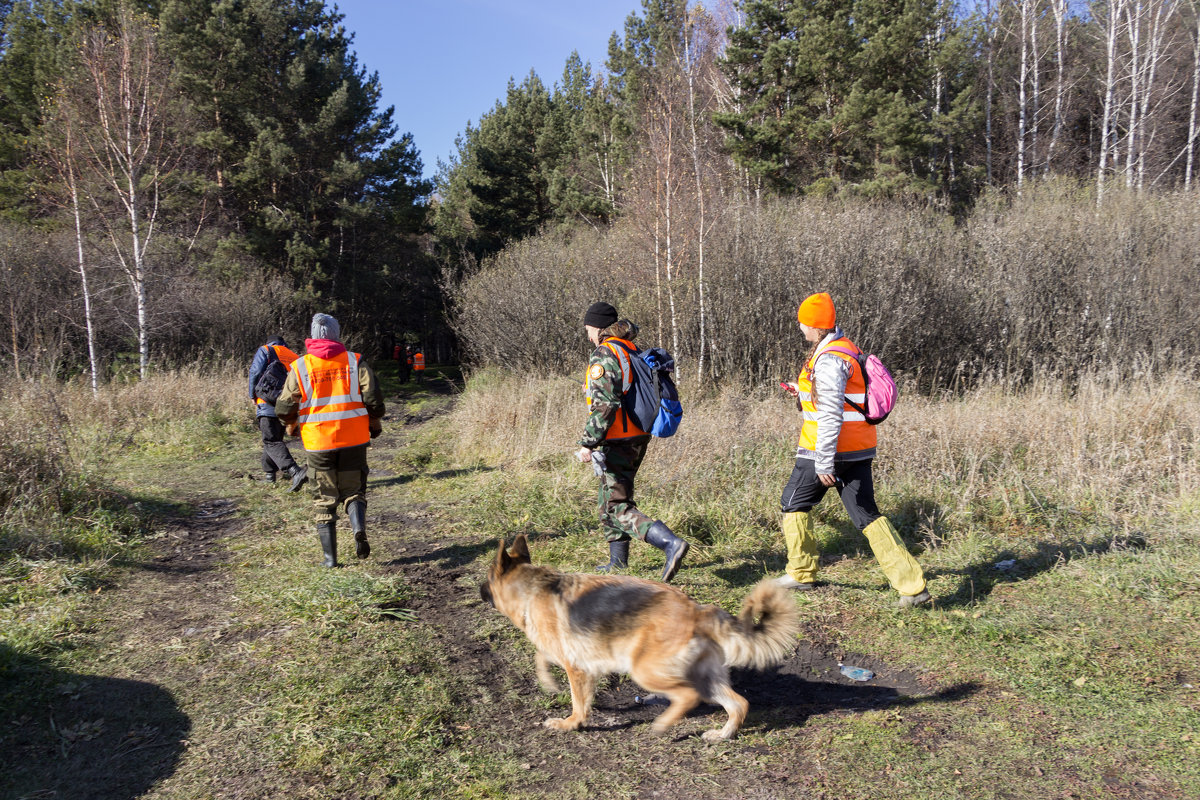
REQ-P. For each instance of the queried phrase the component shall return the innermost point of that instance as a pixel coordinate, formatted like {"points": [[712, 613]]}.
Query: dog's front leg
{"points": [[545, 679], [583, 686]]}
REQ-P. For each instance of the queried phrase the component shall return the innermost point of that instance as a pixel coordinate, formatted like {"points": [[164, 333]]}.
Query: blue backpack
{"points": [[648, 395]]}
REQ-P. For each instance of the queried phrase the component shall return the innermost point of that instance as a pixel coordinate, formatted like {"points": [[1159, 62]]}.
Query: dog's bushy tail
{"points": [[764, 633]]}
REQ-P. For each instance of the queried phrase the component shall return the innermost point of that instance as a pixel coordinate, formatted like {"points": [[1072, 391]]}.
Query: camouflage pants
{"points": [[619, 514], [337, 477]]}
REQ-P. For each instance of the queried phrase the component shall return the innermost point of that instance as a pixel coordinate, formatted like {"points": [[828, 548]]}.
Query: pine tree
{"points": [[31, 41], [292, 125], [834, 92], [498, 188]]}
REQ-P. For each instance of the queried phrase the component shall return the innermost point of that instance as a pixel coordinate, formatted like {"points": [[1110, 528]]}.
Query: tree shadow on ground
{"points": [[400, 480], [446, 557], [979, 580], [83, 736]]}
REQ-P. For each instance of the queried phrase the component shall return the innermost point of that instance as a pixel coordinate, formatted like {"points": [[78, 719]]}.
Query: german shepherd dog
{"points": [[595, 625]]}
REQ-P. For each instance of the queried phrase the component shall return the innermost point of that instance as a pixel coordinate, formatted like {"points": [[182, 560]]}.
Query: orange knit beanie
{"points": [[817, 311]]}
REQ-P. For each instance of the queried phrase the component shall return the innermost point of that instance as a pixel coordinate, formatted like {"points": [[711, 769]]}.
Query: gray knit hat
{"points": [[325, 327]]}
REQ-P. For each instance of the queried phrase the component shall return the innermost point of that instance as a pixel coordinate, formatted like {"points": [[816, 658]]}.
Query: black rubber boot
{"points": [[327, 532], [618, 556], [357, 512], [660, 536], [299, 476], [269, 477]]}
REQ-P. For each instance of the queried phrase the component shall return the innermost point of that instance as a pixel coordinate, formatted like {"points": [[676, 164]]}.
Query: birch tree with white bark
{"points": [[60, 152], [123, 112], [1190, 147]]}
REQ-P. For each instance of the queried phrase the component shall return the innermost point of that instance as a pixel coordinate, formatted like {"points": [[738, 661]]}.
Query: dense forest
{"points": [[180, 178]]}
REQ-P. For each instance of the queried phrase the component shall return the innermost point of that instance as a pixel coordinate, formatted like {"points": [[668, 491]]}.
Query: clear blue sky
{"points": [[443, 63]]}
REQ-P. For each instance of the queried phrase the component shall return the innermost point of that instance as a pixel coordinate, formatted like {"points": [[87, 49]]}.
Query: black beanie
{"points": [[600, 315]]}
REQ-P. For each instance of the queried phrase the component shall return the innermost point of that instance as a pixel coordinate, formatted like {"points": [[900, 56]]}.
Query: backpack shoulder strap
{"points": [[622, 355], [858, 359], [842, 350]]}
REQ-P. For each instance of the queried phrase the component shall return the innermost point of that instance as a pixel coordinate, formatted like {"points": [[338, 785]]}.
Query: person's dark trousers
{"points": [[854, 483], [275, 456], [338, 478]]}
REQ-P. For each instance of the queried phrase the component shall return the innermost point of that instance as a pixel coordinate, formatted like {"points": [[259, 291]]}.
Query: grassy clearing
{"points": [[1058, 528], [301, 682]]}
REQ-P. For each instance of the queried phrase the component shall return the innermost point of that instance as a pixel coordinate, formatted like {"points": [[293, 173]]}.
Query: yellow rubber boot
{"points": [[801, 546], [901, 569]]}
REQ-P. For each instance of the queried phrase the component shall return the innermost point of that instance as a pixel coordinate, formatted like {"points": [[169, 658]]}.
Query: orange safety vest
{"points": [[332, 413], [856, 433], [285, 355], [419, 362], [623, 426]]}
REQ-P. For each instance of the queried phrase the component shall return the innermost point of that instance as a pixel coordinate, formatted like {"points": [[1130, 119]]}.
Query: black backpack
{"points": [[270, 382]]}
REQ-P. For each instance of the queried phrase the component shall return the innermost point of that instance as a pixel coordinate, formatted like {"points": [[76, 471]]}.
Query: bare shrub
{"points": [[524, 308], [1041, 283], [39, 332], [216, 319]]}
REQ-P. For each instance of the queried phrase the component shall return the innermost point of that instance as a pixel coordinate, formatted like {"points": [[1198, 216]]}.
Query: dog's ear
{"points": [[502, 559], [520, 550]]}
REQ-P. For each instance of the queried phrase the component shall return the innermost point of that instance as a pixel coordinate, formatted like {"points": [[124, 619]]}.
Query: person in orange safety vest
{"points": [[404, 363], [418, 366], [332, 397], [835, 450], [615, 446], [275, 456]]}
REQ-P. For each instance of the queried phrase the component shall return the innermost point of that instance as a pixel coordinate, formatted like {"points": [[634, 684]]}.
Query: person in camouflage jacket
{"points": [[615, 446]]}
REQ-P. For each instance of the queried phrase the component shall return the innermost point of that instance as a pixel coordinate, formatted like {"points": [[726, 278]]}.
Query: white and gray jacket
{"points": [[830, 374]]}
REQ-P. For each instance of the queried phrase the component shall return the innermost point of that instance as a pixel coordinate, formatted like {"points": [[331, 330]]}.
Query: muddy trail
{"points": [[617, 739]]}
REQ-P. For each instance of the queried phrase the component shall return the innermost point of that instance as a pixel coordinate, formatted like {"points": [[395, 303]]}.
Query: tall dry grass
{"points": [[1049, 461], [56, 439]]}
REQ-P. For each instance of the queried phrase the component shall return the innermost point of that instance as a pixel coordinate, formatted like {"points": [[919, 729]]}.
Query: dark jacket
{"points": [[257, 366]]}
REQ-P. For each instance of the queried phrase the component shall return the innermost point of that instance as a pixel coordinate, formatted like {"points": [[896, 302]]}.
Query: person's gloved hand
{"points": [[375, 426]]}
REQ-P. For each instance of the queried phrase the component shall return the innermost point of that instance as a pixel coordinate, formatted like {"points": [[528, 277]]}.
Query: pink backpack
{"points": [[881, 387]]}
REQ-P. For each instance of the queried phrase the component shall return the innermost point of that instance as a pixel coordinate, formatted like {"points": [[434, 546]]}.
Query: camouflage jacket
{"points": [[603, 387]]}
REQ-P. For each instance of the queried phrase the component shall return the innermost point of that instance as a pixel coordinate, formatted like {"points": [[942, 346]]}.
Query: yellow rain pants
{"points": [[901, 569], [801, 546]]}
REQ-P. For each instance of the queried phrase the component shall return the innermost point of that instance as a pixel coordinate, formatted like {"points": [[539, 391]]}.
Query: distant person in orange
{"points": [[404, 364], [333, 397], [275, 456], [418, 362]]}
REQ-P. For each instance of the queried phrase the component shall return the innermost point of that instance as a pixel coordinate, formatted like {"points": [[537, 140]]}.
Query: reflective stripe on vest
{"points": [[332, 413], [856, 433], [623, 427], [286, 356]]}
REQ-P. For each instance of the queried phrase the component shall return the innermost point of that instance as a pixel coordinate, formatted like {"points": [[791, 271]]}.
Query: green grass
{"points": [[1072, 671]]}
